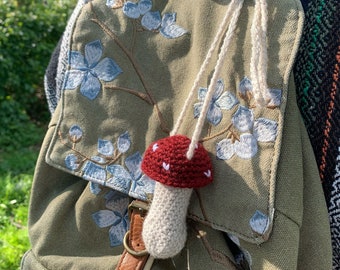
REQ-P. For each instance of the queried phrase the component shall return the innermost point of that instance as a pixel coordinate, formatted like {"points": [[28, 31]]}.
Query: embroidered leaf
{"points": [[90, 87], [168, 19], [243, 119], [144, 6], [259, 222], [275, 97], [246, 148], [93, 53], [168, 27], [124, 142], [105, 147], [114, 195], [107, 70], [202, 92], [142, 188], [105, 218], [197, 109], [131, 10], [71, 162], [118, 204], [227, 101], [245, 86], [75, 133], [98, 159], [94, 172], [265, 130], [133, 164], [95, 188], [173, 31], [120, 177], [73, 78], [114, 3], [214, 114], [76, 60], [151, 20], [116, 235], [225, 149], [218, 90]]}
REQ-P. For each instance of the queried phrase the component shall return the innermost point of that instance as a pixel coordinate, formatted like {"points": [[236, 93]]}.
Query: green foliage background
{"points": [[29, 31]]}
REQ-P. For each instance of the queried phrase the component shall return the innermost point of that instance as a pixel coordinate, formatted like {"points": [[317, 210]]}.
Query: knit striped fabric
{"points": [[318, 95]]}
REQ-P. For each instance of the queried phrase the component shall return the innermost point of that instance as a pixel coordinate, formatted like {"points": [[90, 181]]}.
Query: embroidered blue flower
{"points": [[220, 101], [130, 180], [87, 71], [263, 130], [251, 130], [71, 162], [245, 148], [152, 20], [116, 216]]}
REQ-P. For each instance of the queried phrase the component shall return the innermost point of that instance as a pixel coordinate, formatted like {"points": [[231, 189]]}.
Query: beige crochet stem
{"points": [[164, 229]]}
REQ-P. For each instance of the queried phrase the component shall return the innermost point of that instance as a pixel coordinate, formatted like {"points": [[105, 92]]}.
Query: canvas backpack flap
{"points": [[130, 68]]}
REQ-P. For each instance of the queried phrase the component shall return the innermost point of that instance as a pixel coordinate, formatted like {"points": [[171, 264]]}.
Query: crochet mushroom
{"points": [[164, 230]]}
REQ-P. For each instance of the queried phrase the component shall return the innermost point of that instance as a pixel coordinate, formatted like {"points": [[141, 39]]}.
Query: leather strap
{"points": [[135, 256]]}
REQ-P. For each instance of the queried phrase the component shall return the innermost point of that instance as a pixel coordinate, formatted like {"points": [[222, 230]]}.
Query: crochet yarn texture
{"points": [[165, 161], [164, 229]]}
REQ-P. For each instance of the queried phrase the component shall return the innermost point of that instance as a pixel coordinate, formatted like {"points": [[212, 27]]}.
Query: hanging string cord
{"points": [[203, 68], [259, 56], [206, 104], [264, 51]]}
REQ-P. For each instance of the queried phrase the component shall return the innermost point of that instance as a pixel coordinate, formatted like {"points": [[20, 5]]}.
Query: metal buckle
{"points": [[131, 251], [140, 208]]}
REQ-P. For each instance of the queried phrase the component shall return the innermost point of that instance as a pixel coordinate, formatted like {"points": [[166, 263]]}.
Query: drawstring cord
{"points": [[259, 57], [203, 68], [258, 64]]}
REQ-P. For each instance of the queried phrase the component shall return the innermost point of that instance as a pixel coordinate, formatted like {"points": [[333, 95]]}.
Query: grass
{"points": [[16, 173]]}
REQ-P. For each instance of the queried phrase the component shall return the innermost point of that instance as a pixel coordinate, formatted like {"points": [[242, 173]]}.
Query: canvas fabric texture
{"points": [[266, 195]]}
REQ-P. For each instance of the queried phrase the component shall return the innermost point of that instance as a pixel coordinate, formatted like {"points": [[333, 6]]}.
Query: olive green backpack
{"points": [[124, 74]]}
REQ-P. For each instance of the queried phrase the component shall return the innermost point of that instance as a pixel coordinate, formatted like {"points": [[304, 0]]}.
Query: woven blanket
{"points": [[318, 95]]}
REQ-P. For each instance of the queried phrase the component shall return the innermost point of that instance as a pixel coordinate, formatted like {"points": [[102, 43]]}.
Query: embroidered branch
{"points": [[129, 55]]}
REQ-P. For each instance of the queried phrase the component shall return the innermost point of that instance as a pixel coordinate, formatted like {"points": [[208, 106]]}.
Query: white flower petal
{"points": [[246, 148], [265, 130], [225, 149]]}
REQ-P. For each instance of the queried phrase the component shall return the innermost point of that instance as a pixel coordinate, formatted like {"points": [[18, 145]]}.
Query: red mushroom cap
{"points": [[165, 161]]}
